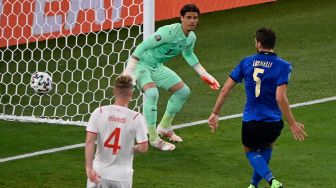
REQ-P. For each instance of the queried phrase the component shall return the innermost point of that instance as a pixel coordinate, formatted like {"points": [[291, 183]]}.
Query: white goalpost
{"points": [[84, 45]]}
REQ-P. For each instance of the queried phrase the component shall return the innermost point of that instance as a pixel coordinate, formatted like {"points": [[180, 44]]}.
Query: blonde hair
{"points": [[123, 85]]}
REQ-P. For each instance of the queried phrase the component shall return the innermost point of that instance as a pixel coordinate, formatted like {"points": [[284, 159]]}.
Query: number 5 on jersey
{"points": [[257, 80], [115, 145]]}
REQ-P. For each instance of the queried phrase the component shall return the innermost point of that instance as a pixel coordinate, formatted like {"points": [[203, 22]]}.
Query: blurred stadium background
{"points": [[306, 37]]}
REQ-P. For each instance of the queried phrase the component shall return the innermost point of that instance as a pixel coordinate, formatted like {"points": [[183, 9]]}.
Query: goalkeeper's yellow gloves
{"points": [[206, 77]]}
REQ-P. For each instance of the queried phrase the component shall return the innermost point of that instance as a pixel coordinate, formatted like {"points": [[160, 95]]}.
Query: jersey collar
{"points": [[267, 53], [181, 32]]}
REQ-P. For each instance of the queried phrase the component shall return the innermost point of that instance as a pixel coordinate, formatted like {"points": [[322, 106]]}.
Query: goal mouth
{"points": [[83, 56]]}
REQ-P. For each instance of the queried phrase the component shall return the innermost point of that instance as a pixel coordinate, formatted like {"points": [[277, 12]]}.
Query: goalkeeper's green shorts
{"points": [[163, 77]]}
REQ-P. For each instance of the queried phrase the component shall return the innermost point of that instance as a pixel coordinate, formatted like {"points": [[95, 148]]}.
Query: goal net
{"points": [[82, 44]]}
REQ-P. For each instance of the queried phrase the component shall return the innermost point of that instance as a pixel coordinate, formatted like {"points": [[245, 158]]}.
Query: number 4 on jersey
{"points": [[115, 146]]}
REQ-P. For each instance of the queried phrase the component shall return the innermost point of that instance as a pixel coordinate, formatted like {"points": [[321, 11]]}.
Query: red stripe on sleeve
{"points": [[142, 142], [91, 132]]}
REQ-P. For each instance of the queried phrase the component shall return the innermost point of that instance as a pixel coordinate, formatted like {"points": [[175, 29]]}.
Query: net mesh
{"points": [[83, 65]]}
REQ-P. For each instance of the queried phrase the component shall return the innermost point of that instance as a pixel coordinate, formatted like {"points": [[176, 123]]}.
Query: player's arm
{"points": [[206, 77], [141, 147], [89, 154], [189, 55], [130, 68], [153, 41], [156, 39], [141, 134], [224, 93], [91, 136], [297, 128]]}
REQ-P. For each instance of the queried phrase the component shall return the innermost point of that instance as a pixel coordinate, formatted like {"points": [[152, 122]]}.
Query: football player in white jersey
{"points": [[116, 128]]}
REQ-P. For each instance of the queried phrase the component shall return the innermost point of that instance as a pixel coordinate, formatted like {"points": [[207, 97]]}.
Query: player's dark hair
{"points": [[266, 37], [189, 8], [122, 85]]}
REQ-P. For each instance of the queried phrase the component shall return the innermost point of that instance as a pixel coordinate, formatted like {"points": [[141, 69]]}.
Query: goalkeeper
{"points": [[146, 66]]}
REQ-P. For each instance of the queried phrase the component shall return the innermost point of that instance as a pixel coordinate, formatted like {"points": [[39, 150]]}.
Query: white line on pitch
{"points": [[41, 152], [240, 115], [175, 127]]}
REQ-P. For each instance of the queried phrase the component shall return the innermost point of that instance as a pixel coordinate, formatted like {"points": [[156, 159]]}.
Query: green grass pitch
{"points": [[306, 37]]}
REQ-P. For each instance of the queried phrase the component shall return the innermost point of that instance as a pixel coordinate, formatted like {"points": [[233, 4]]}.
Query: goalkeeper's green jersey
{"points": [[167, 42]]}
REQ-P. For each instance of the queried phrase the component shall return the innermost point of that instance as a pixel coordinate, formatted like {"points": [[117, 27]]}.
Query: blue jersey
{"points": [[262, 74]]}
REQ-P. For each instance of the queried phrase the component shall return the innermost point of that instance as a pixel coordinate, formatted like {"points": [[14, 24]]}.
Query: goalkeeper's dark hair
{"points": [[266, 37], [123, 85], [189, 8]]}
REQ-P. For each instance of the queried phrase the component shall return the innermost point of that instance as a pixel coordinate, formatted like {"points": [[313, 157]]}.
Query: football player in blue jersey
{"points": [[265, 77]]}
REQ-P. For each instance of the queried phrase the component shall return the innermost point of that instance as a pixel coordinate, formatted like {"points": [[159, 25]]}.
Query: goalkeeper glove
{"points": [[130, 68], [206, 77], [211, 81]]}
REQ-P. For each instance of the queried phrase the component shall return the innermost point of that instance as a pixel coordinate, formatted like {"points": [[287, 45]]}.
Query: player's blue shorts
{"points": [[258, 135], [163, 77]]}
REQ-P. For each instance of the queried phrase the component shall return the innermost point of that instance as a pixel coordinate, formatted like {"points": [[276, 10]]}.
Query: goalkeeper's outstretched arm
{"points": [[206, 77]]}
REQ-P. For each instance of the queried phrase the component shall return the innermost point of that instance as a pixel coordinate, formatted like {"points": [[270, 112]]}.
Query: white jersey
{"points": [[117, 129]]}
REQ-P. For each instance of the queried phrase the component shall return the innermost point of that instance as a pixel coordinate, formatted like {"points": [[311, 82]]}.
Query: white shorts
{"points": [[109, 184]]}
